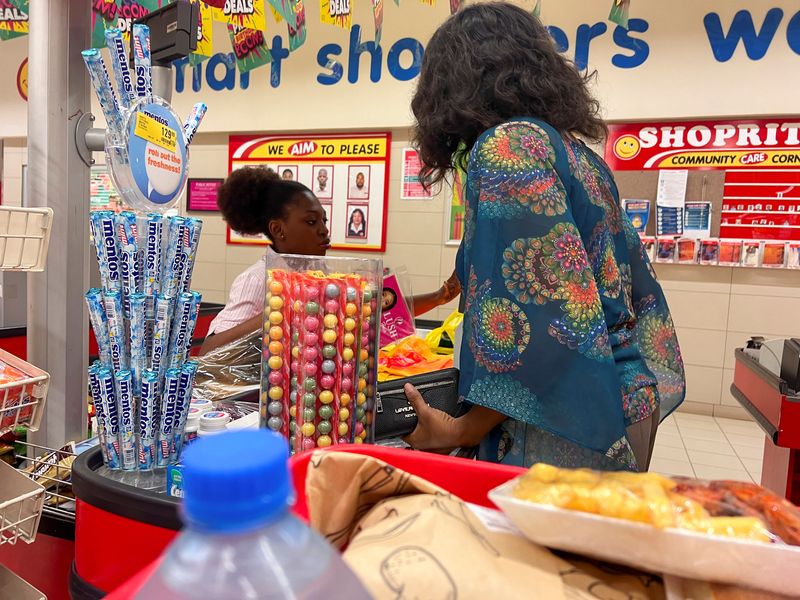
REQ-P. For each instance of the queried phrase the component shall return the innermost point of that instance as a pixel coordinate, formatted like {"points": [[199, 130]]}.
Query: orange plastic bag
{"points": [[407, 357]]}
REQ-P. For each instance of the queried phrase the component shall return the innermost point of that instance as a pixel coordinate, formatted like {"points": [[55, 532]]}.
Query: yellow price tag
{"points": [[151, 130]]}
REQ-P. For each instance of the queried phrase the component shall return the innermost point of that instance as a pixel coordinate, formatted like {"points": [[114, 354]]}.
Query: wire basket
{"points": [[45, 466], [13, 586], [22, 402], [24, 238], [21, 502]]}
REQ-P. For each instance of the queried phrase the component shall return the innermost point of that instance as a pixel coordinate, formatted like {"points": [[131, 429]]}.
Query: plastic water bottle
{"points": [[240, 540]]}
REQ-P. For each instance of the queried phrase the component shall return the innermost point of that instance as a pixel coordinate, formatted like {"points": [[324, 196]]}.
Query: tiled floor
{"points": [[708, 448]]}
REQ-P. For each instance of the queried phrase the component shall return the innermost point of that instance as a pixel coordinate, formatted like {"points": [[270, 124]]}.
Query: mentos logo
{"points": [[170, 406], [122, 60], [158, 353], [110, 243], [145, 414], [125, 403], [112, 419], [153, 251], [183, 326]]}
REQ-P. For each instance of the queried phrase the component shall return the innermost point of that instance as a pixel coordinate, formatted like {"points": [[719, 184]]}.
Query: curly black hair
{"points": [[251, 197], [486, 64]]}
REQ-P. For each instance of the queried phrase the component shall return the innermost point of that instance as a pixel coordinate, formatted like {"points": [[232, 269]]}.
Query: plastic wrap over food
{"points": [[233, 370]]}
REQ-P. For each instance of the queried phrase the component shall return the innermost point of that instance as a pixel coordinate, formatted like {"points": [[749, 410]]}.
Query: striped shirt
{"points": [[246, 298]]}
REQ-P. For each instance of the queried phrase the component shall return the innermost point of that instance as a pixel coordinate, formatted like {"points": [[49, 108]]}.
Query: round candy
{"points": [[309, 414], [275, 378], [330, 321], [324, 441], [347, 369], [326, 397], [312, 308], [344, 399], [362, 369], [296, 352], [293, 393], [364, 354], [332, 290], [328, 366], [275, 348], [343, 440], [310, 353], [362, 385], [329, 351], [351, 294], [366, 311], [275, 362], [310, 369], [292, 427], [297, 306], [358, 440], [308, 429], [310, 384], [275, 333], [347, 384], [275, 423], [311, 339], [295, 367], [365, 340], [309, 399], [344, 414], [276, 303], [362, 398], [369, 390], [350, 309], [325, 412], [311, 324], [343, 429], [276, 287], [359, 428], [275, 393], [276, 317], [331, 306], [308, 444], [327, 381], [324, 427], [349, 324], [367, 295], [349, 339], [347, 354], [312, 292], [329, 336], [295, 337], [293, 411]]}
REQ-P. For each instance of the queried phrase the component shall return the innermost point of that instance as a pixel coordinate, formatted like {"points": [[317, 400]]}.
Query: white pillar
{"points": [[57, 322]]}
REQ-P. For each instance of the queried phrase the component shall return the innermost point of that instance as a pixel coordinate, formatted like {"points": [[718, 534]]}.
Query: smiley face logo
{"points": [[627, 147], [22, 80]]}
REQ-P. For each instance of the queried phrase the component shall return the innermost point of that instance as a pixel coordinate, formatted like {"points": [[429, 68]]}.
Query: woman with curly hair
{"points": [[569, 353]]}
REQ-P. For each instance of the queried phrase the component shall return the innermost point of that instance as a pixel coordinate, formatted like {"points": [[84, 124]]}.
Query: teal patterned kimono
{"points": [[566, 329]]}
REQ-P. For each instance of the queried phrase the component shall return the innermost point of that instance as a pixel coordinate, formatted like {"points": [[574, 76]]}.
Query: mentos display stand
{"points": [[119, 528]]}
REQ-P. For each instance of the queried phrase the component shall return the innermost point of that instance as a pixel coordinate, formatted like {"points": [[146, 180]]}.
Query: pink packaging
{"points": [[397, 321]]}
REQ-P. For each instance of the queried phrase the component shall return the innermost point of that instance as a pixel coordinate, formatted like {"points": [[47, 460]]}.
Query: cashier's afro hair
{"points": [[486, 64], [251, 197]]}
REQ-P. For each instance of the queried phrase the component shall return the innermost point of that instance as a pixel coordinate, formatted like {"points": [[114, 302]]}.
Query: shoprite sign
{"points": [[704, 145]]}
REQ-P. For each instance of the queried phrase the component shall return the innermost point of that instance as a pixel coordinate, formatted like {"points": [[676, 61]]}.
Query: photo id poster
{"points": [[348, 173]]}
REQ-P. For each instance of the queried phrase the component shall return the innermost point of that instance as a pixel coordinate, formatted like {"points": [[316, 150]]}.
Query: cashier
{"points": [[258, 201]]}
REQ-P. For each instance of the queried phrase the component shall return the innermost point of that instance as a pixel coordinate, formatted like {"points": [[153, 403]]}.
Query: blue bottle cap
{"points": [[236, 481]]}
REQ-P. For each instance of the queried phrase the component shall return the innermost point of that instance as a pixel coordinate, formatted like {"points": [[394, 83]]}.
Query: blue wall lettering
{"points": [[640, 48], [228, 62], [793, 34], [278, 54], [742, 28], [559, 37], [326, 61], [357, 48], [393, 59]]}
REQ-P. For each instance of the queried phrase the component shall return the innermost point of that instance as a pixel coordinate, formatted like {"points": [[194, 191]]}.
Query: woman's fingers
{"points": [[415, 399]]}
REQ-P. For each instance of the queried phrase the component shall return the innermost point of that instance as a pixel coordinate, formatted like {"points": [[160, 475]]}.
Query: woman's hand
{"points": [[436, 430], [439, 432]]}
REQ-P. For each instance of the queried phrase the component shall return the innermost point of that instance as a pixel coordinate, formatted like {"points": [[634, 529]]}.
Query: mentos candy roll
{"points": [[116, 330], [138, 351], [161, 334], [148, 420], [175, 257], [141, 61], [97, 238], [193, 121], [102, 87], [130, 274], [185, 384], [180, 327], [108, 401], [97, 317], [195, 227], [197, 299], [168, 421], [94, 389], [120, 68], [127, 418], [152, 260], [109, 261]]}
